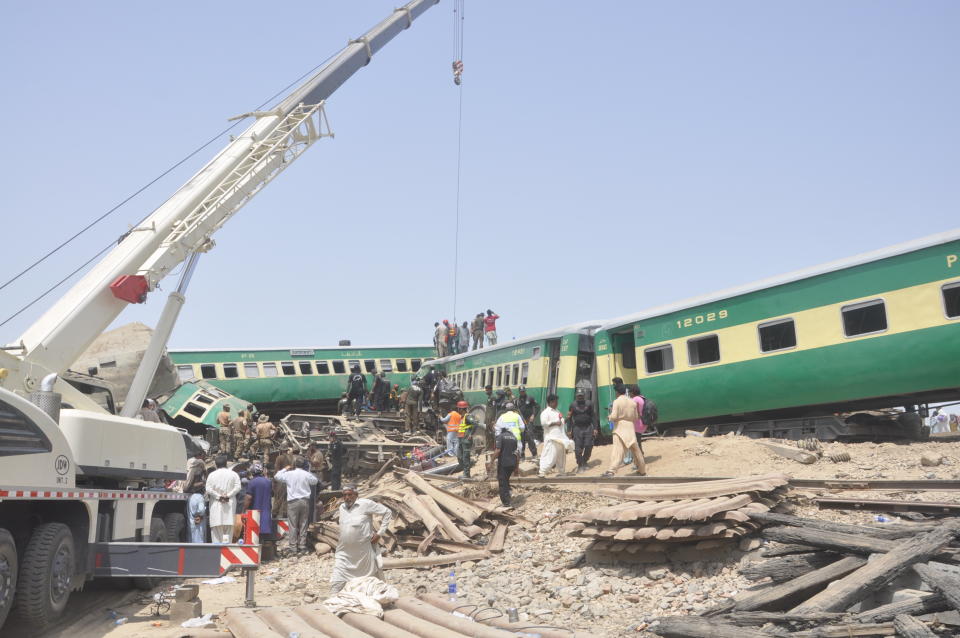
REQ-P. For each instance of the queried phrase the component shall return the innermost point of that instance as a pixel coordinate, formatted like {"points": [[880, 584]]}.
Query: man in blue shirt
{"points": [[259, 497]]}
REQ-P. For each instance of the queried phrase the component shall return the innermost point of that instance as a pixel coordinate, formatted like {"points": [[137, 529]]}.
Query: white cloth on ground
{"points": [[222, 482], [364, 595], [356, 556]]}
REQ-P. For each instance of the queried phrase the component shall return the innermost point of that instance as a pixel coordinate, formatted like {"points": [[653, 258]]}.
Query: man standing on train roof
{"points": [[411, 405], [453, 338], [223, 429], [528, 408], [490, 327], [452, 421], [623, 414], [442, 339], [582, 429], [464, 335], [476, 329], [437, 329], [356, 390], [335, 454]]}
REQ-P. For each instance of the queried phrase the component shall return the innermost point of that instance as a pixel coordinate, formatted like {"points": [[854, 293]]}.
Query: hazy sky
{"points": [[616, 155]]}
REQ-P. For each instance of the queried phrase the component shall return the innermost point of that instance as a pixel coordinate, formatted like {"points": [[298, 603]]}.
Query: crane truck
{"points": [[78, 484]]}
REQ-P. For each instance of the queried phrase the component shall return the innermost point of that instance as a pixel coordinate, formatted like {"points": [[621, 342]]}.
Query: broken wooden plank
{"points": [[782, 569], [946, 583], [912, 606], [452, 531], [698, 627], [846, 631], [787, 550], [792, 453], [782, 596], [424, 545], [432, 561], [876, 505], [910, 627], [881, 570], [498, 538], [466, 511], [422, 512], [834, 541], [888, 532]]}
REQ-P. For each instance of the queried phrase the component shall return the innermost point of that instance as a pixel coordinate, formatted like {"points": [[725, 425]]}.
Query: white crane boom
{"points": [[185, 223]]}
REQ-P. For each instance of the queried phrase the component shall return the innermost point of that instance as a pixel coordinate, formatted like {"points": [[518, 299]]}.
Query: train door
{"points": [[586, 375], [553, 352], [625, 354]]}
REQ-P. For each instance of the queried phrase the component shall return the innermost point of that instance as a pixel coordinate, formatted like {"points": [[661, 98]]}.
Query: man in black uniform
{"points": [[356, 390], [528, 409], [380, 390], [507, 462], [583, 430], [335, 454]]}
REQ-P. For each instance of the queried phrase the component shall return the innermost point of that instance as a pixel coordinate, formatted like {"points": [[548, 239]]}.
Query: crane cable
{"points": [[458, 80], [127, 199]]}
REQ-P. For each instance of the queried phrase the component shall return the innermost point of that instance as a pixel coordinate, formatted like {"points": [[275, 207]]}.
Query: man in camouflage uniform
{"points": [[265, 433], [223, 429], [238, 434], [411, 406]]}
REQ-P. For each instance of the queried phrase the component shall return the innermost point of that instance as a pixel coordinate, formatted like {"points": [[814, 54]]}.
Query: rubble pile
{"points": [[428, 519], [655, 522], [833, 579]]}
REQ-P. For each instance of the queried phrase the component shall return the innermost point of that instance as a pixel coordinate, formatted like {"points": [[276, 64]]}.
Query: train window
{"points": [[506, 375], [414, 364], [305, 367], [195, 410], [516, 374], [338, 367], [288, 368], [777, 335], [658, 359], [537, 350], [864, 318], [270, 369], [401, 365], [202, 399], [483, 378], [251, 370], [386, 365], [499, 383], [951, 299], [524, 373], [208, 371], [230, 371], [703, 350], [323, 367], [185, 373], [370, 365]]}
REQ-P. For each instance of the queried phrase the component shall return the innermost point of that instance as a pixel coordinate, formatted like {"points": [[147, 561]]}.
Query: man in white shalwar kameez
{"points": [[555, 441], [358, 552], [222, 485]]}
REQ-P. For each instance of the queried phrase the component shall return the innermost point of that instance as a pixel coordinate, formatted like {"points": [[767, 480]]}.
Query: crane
{"points": [[72, 499]]}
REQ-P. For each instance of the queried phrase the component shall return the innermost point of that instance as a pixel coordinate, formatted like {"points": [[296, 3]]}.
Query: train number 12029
{"points": [[699, 319]]}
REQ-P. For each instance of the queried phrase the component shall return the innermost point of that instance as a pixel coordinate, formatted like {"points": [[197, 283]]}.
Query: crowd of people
{"points": [[449, 338]]}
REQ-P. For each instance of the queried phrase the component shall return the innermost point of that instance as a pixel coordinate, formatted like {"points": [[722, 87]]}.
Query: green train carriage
{"points": [[282, 381], [559, 361], [781, 357], [194, 406]]}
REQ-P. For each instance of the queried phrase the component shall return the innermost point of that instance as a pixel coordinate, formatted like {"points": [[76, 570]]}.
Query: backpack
{"points": [[650, 411], [356, 384]]}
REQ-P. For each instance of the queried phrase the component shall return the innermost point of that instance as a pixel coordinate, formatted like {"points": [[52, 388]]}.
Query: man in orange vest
{"points": [[452, 422]]}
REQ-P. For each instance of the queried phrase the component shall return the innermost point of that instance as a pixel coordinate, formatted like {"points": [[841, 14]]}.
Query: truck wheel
{"points": [[45, 576], [158, 534], [8, 573], [175, 523]]}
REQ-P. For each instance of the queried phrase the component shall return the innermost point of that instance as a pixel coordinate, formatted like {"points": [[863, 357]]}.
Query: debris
{"points": [[219, 581], [202, 622], [930, 459], [790, 452]]}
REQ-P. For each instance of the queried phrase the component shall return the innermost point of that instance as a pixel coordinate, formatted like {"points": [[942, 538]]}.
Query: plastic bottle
{"points": [[120, 621], [880, 518], [452, 586]]}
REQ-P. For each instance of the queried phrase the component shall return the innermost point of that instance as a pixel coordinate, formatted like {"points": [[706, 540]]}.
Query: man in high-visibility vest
{"points": [[452, 421], [510, 420], [465, 435]]}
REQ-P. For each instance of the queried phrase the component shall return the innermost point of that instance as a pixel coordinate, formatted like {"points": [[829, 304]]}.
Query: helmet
{"points": [[463, 404], [509, 406]]}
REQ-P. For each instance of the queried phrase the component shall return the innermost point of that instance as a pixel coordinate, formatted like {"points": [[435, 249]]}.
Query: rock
{"points": [[322, 548], [749, 544], [571, 574], [656, 574], [930, 459]]}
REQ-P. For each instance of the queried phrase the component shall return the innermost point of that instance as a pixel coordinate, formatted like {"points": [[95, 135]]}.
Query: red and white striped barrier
{"points": [[238, 556], [87, 494], [283, 527], [251, 527]]}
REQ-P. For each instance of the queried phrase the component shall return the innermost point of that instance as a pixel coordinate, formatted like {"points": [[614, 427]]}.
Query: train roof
{"points": [[797, 275], [181, 350], [584, 327]]}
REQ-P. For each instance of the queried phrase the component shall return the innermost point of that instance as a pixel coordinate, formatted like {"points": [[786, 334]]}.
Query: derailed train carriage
{"points": [[814, 353]]}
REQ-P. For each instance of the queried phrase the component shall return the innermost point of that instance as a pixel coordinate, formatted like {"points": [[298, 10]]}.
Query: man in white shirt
{"points": [[555, 440], [222, 485], [358, 551], [298, 482]]}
